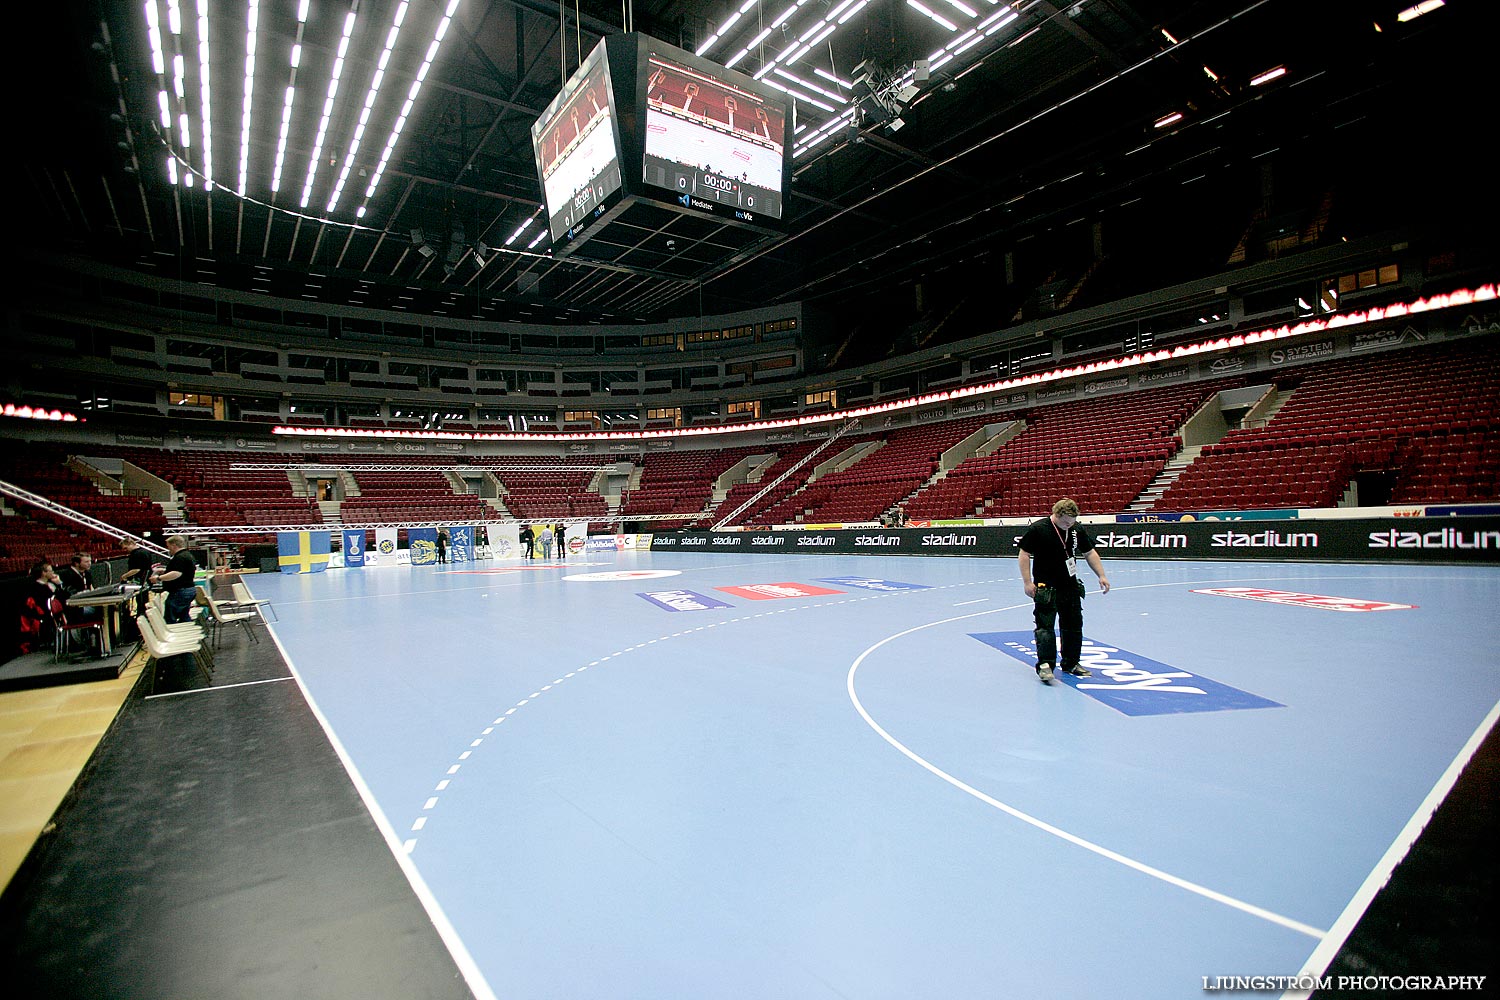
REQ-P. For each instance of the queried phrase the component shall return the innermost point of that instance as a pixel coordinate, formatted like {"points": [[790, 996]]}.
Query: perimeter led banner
{"points": [[577, 147], [1375, 540]]}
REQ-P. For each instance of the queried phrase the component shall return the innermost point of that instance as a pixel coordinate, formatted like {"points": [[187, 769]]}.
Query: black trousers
{"points": [[1059, 611]]}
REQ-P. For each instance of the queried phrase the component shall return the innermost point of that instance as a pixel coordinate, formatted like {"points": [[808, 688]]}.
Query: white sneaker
{"points": [[1044, 673]]}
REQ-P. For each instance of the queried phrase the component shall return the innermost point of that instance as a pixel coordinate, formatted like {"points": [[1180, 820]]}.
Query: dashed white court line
{"points": [[1044, 826], [411, 843]]}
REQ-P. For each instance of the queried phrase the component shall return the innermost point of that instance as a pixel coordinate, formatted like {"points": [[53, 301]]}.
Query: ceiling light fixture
{"points": [[364, 114], [1425, 7], [1268, 76], [291, 98], [917, 5], [333, 89], [205, 118], [411, 97]]}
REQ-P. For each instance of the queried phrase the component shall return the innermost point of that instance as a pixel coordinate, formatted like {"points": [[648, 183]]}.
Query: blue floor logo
{"points": [[1134, 684], [867, 583]]}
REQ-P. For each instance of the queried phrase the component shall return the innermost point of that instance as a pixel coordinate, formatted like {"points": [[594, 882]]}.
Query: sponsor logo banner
{"points": [[354, 548], [1163, 375], [1133, 684], [866, 583], [311, 445], [1305, 600], [1302, 352], [461, 544], [1228, 364], [1043, 395], [384, 553], [1273, 514], [683, 600], [1249, 535], [1444, 538], [194, 441], [1104, 385], [254, 444], [140, 440], [777, 591], [422, 546], [1466, 509], [1386, 338]]}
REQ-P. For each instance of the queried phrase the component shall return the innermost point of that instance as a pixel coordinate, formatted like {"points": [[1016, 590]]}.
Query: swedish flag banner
{"points": [[423, 545], [354, 548], [461, 544], [303, 551]]}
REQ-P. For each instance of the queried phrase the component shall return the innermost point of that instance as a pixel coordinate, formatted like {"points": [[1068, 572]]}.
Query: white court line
{"points": [[220, 687], [466, 964], [467, 967], [1045, 827], [1333, 941]]}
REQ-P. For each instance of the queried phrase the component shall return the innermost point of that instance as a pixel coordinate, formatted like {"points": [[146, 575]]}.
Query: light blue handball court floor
{"points": [[839, 777]]}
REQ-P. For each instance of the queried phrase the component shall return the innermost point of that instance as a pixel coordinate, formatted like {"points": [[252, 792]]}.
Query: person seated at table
{"points": [[36, 599], [77, 577]]}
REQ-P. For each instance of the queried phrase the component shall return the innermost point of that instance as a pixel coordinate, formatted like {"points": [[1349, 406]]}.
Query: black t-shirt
{"points": [[139, 560], [1050, 547], [182, 563]]}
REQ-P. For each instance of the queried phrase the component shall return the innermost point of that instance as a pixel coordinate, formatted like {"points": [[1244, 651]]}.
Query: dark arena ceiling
{"points": [[1044, 136]]}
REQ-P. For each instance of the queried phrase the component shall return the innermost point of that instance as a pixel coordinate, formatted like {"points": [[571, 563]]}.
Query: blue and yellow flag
{"points": [[303, 551]]}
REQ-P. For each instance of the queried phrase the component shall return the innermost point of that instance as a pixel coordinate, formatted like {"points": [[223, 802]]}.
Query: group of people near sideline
{"points": [[546, 536]]}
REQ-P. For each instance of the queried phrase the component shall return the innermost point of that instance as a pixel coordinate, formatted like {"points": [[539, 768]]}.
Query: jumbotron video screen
{"points": [[712, 144], [577, 148]]}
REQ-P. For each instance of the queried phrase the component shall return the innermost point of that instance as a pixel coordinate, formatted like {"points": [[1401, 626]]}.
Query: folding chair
{"points": [[64, 630], [217, 619], [242, 599], [162, 646]]}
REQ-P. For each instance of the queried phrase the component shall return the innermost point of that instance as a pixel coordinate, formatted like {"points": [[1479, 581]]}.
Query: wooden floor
{"points": [[47, 736]]}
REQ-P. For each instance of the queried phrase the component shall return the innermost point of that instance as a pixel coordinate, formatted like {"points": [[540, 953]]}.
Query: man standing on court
{"points": [[1049, 572]]}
